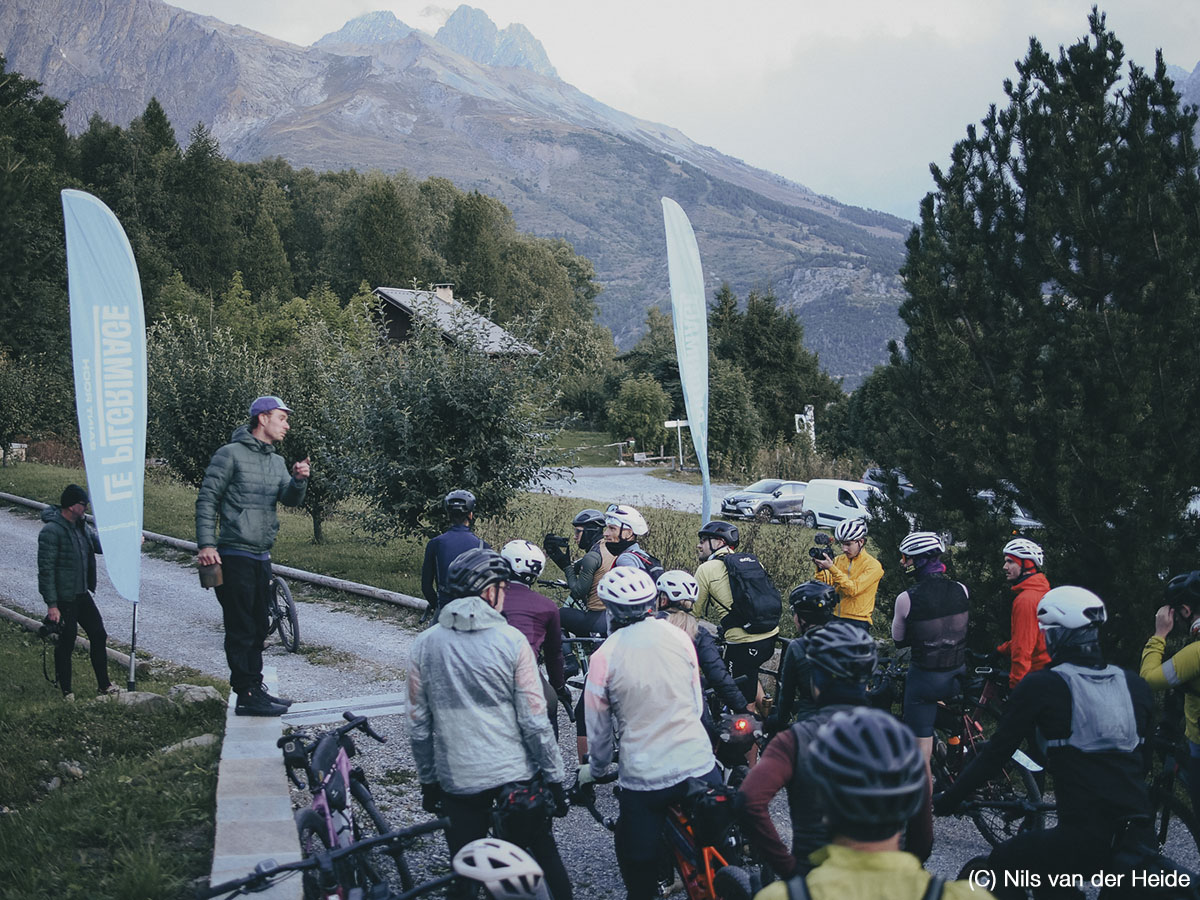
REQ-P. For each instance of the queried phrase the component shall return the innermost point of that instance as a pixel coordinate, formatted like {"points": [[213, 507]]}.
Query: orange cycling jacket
{"points": [[1027, 647]]}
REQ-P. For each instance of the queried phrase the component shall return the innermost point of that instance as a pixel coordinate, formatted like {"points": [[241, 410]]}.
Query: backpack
{"points": [[652, 564], [797, 888], [757, 605]]}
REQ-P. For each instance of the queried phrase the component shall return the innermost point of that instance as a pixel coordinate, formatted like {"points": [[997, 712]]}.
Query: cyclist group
{"points": [[857, 779]]}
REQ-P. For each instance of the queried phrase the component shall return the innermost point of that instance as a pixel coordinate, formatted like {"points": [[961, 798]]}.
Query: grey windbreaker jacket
{"points": [[476, 712]]}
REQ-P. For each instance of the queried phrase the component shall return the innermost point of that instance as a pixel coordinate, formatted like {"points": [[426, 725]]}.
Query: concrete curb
{"points": [[33, 625], [254, 806]]}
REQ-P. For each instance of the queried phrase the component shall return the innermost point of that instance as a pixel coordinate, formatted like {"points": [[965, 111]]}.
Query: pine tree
{"points": [[1053, 322]]}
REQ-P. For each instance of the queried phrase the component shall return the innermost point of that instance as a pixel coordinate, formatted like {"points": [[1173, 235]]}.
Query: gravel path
{"points": [[350, 648]]}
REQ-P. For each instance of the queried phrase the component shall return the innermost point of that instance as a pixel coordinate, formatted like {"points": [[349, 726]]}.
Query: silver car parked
{"points": [[771, 498]]}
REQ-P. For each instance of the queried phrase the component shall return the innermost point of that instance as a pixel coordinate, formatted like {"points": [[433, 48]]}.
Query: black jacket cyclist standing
{"points": [[1094, 718], [813, 603], [446, 547]]}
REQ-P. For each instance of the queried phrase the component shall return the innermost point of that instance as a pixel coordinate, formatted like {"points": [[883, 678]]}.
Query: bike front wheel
{"points": [[368, 811], [1008, 804], [285, 615], [314, 839], [1174, 825]]}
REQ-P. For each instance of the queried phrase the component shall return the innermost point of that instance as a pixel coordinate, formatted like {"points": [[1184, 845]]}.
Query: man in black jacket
{"points": [[67, 550], [1094, 718]]}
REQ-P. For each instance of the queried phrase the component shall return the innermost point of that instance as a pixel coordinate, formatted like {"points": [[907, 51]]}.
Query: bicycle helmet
{"points": [[1023, 548], [921, 543], [813, 601], [473, 570], [868, 771], [459, 503], [725, 531], [1184, 590], [504, 869], [525, 559], [680, 587], [842, 651], [588, 518], [628, 594], [851, 530], [1070, 617], [626, 517]]}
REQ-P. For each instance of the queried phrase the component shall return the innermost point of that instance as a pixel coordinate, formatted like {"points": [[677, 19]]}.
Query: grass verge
{"points": [[124, 820]]}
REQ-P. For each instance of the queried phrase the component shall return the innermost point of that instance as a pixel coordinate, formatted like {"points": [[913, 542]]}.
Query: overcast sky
{"points": [[853, 98]]}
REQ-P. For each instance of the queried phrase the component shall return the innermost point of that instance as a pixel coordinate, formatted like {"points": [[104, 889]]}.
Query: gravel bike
{"points": [[1170, 815], [700, 833], [491, 876], [281, 614], [341, 812], [1011, 801]]}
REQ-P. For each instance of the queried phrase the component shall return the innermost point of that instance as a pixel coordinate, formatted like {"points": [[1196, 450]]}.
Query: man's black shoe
{"points": [[282, 701], [252, 703]]}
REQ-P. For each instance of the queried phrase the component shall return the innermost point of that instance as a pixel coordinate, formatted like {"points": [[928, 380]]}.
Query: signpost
{"points": [[678, 425]]}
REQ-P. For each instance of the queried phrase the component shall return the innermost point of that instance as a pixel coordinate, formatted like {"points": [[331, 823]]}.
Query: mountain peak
{"points": [[471, 33], [379, 27]]}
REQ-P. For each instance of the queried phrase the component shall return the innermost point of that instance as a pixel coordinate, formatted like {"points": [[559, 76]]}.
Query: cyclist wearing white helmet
{"points": [[854, 572], [1023, 561], [1093, 718], [623, 525], [536, 616], [931, 618], [663, 743], [677, 591]]}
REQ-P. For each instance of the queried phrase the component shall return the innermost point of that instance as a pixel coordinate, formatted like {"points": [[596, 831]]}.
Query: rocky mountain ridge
{"points": [[373, 95]]}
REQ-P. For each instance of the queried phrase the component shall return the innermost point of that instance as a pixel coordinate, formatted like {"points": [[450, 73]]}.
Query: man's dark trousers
{"points": [[82, 612], [244, 596]]}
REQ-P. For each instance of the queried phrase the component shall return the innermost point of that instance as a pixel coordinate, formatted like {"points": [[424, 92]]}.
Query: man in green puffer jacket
{"points": [[67, 550], [243, 483]]}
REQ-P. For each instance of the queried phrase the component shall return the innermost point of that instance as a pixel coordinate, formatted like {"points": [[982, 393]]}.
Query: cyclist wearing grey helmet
{"points": [[870, 779], [473, 676], [854, 572], [459, 507], [812, 605], [584, 574]]}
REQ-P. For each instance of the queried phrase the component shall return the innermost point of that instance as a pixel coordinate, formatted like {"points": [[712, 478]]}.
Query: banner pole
{"points": [[131, 684]]}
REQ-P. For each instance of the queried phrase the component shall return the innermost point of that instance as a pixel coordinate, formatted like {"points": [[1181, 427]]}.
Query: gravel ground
{"points": [[350, 648]]}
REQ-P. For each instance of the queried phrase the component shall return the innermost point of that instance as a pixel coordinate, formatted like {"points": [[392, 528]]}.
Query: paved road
{"points": [[636, 486]]}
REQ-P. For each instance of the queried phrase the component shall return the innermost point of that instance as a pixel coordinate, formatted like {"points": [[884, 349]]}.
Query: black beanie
{"points": [[71, 495]]}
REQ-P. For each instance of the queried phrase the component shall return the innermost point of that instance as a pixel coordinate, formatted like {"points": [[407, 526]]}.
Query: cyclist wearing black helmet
{"points": [[869, 777], [473, 676], [854, 572], [1093, 719], [842, 659], [745, 651], [1182, 669], [584, 574], [443, 549], [812, 605]]}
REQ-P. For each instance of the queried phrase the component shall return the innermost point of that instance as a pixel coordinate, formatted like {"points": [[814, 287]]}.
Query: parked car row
{"points": [[824, 502]]}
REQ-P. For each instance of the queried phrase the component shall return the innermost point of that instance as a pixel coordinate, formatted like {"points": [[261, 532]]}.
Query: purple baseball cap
{"points": [[266, 404]]}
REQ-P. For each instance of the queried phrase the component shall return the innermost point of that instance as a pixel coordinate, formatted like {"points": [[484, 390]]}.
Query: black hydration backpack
{"points": [[652, 564], [757, 605]]}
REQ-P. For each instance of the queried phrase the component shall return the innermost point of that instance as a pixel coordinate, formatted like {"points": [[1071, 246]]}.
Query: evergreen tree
{"points": [[1052, 326]]}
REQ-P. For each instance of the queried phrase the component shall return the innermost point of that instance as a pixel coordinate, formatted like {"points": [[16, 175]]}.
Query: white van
{"points": [[828, 501]]}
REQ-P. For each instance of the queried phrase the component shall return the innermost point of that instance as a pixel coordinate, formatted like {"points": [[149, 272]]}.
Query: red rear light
{"points": [[740, 724]]}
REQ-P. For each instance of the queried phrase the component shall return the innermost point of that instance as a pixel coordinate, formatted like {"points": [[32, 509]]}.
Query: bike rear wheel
{"points": [[997, 815], [286, 617]]}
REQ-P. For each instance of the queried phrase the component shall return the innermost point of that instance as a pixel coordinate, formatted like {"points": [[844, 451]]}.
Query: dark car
{"points": [[771, 498], [877, 478]]}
